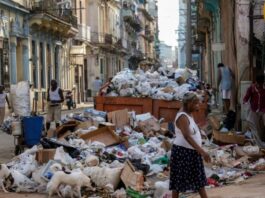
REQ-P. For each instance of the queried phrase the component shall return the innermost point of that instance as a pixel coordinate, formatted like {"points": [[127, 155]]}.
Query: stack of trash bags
{"points": [[153, 84]]}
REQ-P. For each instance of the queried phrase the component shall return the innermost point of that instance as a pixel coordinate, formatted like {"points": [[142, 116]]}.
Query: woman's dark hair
{"points": [[260, 78], [189, 97], [220, 65]]}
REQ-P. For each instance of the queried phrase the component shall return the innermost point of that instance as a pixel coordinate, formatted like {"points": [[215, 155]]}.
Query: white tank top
{"points": [[194, 129], [2, 100], [54, 95]]}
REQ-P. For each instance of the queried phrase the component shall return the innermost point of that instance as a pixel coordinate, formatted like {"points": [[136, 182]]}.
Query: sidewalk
{"points": [[79, 107]]}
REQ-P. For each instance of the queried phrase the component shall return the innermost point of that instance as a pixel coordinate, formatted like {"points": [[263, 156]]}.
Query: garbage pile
{"points": [[118, 154], [156, 85]]}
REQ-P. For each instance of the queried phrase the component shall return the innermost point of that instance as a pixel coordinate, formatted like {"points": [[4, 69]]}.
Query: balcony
{"points": [[145, 12], [83, 33], [103, 38], [107, 42], [53, 16], [130, 18], [148, 35]]}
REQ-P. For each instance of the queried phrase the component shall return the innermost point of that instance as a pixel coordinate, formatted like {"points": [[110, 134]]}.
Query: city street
{"points": [[252, 188], [174, 93]]}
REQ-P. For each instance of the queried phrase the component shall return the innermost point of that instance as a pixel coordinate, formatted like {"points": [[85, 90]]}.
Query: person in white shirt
{"points": [[54, 100], [186, 164], [97, 84], [3, 100]]}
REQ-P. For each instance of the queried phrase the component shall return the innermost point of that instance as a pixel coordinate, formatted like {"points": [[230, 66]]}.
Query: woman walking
{"points": [[186, 166]]}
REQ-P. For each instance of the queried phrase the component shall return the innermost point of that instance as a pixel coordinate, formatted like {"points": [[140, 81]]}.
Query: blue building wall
{"points": [[14, 22]]}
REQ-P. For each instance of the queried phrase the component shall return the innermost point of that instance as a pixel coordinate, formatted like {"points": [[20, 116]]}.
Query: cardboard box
{"points": [[51, 133], [132, 178], [43, 156], [86, 124], [228, 138], [107, 124], [164, 125], [214, 122], [60, 131], [62, 138], [104, 135], [119, 118]]}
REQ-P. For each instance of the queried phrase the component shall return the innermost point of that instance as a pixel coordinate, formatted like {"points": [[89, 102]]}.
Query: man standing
{"points": [[255, 95], [54, 99], [97, 83], [225, 78]]}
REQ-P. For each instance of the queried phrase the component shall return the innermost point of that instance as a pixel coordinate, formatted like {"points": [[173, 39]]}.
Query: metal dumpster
{"points": [[158, 108]]}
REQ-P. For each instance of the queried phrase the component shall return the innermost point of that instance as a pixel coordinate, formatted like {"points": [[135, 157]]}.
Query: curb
{"points": [[72, 110]]}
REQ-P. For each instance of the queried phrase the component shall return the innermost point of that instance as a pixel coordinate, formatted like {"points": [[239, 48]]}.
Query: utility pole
{"points": [[188, 35]]}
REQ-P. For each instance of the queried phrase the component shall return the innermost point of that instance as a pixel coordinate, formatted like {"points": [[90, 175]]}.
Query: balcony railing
{"points": [[103, 38], [83, 33], [127, 13], [130, 17], [54, 9]]}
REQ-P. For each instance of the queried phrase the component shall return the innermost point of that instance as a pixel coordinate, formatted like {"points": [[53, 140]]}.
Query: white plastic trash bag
{"points": [[20, 98], [63, 157]]}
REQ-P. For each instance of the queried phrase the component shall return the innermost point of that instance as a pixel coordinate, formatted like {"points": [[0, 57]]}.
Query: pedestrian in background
{"points": [[97, 84], [54, 100], [186, 164], [225, 79], [255, 95], [69, 99], [3, 101], [106, 88]]}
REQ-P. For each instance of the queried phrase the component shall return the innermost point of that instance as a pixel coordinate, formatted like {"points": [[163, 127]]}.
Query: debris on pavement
{"points": [[124, 157], [128, 154]]}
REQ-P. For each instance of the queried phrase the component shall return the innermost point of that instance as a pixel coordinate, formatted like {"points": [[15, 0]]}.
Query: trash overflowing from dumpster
{"points": [[121, 154], [152, 84]]}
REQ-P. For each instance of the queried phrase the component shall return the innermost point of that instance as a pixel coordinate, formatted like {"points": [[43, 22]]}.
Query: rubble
{"points": [[124, 157]]}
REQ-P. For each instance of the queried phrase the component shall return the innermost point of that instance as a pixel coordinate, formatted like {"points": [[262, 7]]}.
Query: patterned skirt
{"points": [[186, 170]]}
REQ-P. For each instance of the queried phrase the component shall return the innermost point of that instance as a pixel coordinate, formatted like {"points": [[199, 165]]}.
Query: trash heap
{"points": [[128, 156], [155, 84]]}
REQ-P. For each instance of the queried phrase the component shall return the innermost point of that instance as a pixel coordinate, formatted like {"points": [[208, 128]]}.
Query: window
{"points": [[80, 11], [76, 75], [34, 64], [85, 74], [4, 63], [56, 63], [42, 66], [49, 64], [74, 7], [119, 65], [101, 66]]}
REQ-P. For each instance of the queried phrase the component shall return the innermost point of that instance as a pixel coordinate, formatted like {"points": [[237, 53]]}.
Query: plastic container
{"points": [[32, 129]]}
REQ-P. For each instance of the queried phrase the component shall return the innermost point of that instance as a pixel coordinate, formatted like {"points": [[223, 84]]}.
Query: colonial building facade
{"points": [[73, 41]]}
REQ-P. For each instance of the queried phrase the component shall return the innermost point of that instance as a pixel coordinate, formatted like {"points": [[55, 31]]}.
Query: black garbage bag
{"points": [[139, 166], [230, 120], [49, 143]]}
